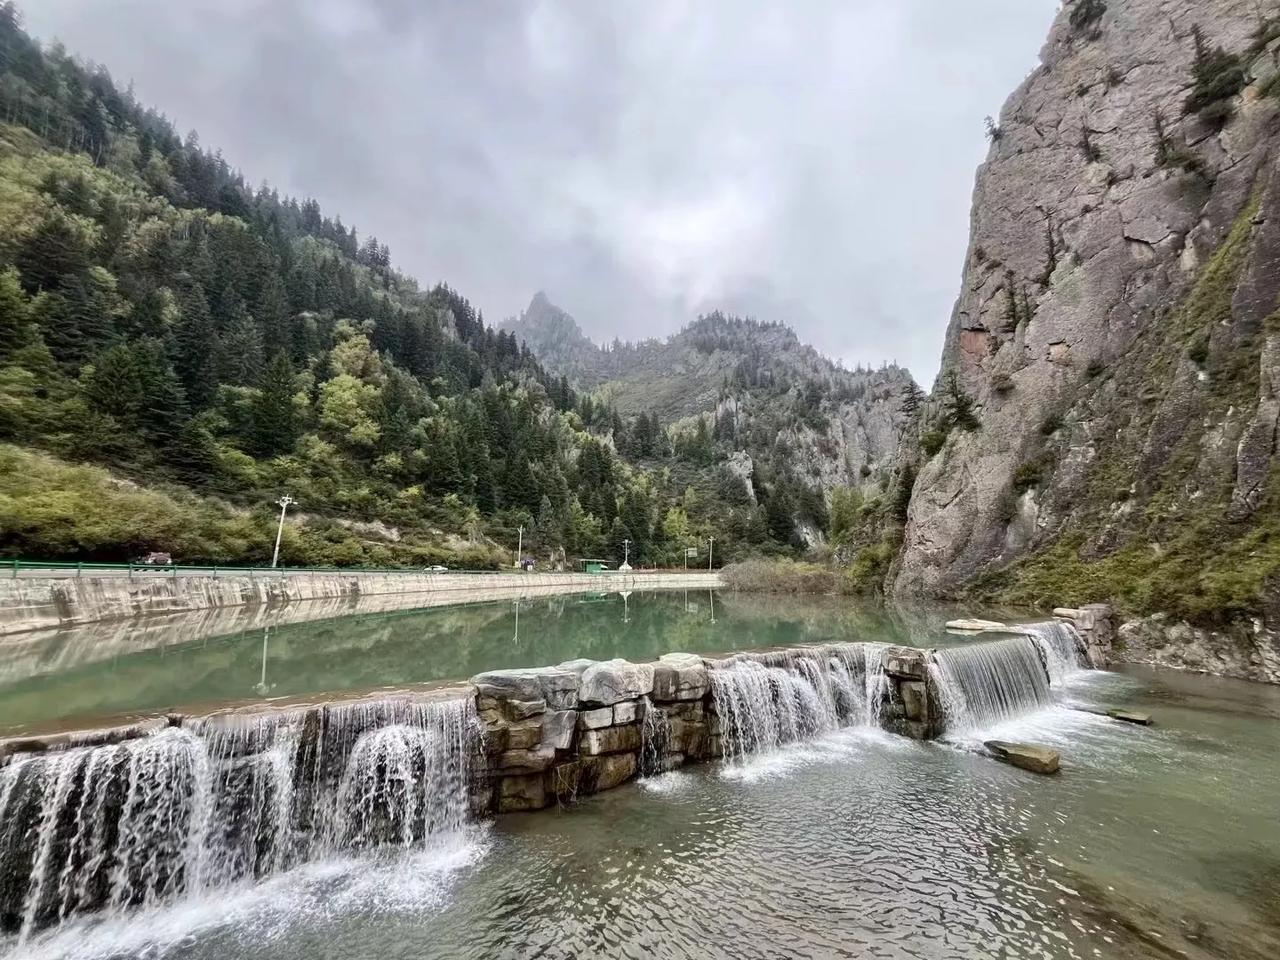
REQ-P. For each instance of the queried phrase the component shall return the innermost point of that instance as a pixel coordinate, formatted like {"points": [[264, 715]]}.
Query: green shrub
{"points": [[1086, 12], [1198, 352], [1217, 76], [1027, 476], [931, 441], [779, 576], [866, 575], [1051, 425]]}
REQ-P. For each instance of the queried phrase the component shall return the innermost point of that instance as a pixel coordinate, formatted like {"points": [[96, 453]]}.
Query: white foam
{"points": [[312, 894]]}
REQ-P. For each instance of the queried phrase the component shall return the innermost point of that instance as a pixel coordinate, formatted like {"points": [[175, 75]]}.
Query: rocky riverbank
{"points": [[1244, 651]]}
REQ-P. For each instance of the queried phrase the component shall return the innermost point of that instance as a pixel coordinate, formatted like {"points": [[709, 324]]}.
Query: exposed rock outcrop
{"points": [[1248, 651], [1117, 326]]}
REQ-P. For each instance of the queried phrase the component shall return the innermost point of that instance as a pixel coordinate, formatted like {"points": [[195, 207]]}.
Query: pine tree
{"points": [[239, 345], [15, 313], [80, 317], [275, 424], [55, 254], [958, 406], [272, 313], [196, 345], [912, 398]]}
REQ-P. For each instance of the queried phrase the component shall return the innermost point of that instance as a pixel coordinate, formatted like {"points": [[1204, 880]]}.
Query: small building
{"points": [[590, 565]]}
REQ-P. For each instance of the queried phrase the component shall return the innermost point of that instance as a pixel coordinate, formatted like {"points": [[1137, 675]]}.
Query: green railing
{"points": [[60, 569]]}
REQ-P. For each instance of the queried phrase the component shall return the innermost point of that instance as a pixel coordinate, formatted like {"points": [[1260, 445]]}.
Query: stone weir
{"points": [[112, 819]]}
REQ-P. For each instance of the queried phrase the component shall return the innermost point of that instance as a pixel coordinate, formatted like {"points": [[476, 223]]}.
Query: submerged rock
{"points": [[1130, 716], [1027, 756]]}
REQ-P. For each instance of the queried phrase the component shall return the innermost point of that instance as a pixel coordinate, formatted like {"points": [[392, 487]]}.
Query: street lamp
{"points": [[711, 547], [285, 503]]}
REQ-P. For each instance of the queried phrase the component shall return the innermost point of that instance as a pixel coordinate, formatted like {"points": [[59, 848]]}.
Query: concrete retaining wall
{"points": [[40, 604]]}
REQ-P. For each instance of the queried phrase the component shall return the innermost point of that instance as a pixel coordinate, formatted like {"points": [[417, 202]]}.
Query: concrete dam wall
{"points": [[40, 603]]}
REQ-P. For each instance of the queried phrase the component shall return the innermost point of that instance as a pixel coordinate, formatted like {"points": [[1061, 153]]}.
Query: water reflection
{"points": [[110, 671]]}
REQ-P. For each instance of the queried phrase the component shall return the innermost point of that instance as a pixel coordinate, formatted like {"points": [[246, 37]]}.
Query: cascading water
{"points": [[1060, 646], [187, 810], [655, 735], [765, 701], [984, 683]]}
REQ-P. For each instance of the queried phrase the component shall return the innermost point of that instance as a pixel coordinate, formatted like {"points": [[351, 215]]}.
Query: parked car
{"points": [[437, 569], [156, 559]]}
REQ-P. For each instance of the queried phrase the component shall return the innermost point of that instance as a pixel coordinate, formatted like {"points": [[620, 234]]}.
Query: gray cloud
{"points": [[641, 161]]}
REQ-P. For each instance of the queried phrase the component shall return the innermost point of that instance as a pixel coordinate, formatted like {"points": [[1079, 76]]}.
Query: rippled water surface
{"points": [[1151, 842]]}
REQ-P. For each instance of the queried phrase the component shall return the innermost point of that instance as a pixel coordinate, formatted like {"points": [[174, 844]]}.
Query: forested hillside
{"points": [[795, 426], [177, 349]]}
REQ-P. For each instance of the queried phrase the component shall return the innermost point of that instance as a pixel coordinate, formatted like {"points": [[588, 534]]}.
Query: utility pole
{"points": [[626, 551], [520, 545], [285, 503], [711, 547]]}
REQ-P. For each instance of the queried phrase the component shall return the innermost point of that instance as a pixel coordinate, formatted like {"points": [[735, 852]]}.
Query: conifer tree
{"points": [[196, 347], [239, 344], [274, 417]]}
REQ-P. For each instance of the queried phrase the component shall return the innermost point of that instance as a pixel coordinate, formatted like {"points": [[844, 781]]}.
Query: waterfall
{"points": [[763, 701], [984, 683], [1060, 646], [655, 736], [223, 801]]}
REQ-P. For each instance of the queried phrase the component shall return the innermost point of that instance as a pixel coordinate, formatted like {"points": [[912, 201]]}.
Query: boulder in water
{"points": [[970, 625], [1027, 756], [1130, 716], [606, 683]]}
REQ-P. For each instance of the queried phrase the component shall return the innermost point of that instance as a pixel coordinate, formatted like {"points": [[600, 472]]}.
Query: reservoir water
{"points": [[1151, 842]]}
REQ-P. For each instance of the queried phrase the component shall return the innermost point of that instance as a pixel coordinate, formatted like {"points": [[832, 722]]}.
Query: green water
{"points": [[1152, 842], [77, 676]]}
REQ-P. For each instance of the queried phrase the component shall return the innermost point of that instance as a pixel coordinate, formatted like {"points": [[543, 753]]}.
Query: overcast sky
{"points": [[805, 161]]}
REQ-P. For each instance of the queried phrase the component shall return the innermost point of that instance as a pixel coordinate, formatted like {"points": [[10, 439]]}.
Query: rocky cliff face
{"points": [[1117, 327]]}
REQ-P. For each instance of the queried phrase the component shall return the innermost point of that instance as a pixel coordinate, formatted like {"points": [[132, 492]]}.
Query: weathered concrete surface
{"points": [[31, 603]]}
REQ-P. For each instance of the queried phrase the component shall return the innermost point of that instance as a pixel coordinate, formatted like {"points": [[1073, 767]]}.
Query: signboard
{"points": [[691, 551]]}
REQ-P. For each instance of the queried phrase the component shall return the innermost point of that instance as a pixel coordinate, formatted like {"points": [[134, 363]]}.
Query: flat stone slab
{"points": [[1130, 716], [1026, 756], [975, 626]]}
